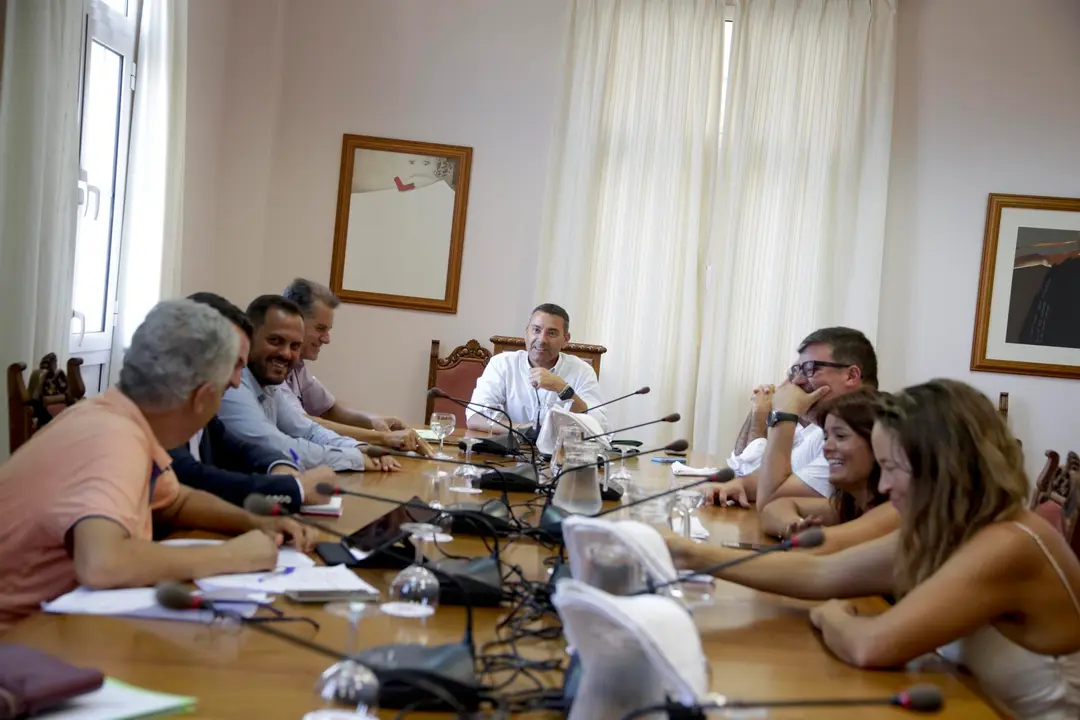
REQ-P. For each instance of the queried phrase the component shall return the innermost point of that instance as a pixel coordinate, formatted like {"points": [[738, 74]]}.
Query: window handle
{"points": [[75, 314], [94, 190]]}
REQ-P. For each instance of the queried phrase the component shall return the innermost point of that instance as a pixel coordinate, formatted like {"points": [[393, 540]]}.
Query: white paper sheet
{"points": [[334, 577], [287, 556], [132, 602], [117, 701]]}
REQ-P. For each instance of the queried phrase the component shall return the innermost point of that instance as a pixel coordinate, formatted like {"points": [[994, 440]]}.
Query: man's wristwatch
{"points": [[567, 393], [779, 417]]}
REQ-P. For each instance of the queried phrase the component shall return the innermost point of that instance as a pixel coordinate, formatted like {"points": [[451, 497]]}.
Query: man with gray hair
{"points": [[317, 303], [88, 487]]}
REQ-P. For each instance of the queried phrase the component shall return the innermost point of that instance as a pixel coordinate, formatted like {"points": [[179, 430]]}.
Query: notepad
{"points": [[116, 700], [287, 556], [428, 435], [321, 577], [137, 603], [330, 509]]}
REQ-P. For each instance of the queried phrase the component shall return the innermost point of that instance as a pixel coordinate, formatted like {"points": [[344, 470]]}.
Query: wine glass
{"points": [[623, 475], [347, 684], [442, 424], [467, 473], [414, 592], [687, 502], [492, 420]]}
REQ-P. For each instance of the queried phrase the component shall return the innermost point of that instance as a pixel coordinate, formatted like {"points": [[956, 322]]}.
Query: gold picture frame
{"points": [[399, 235], [1023, 324]]}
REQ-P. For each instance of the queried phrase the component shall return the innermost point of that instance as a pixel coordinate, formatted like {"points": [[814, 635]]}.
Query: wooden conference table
{"points": [[760, 646]]}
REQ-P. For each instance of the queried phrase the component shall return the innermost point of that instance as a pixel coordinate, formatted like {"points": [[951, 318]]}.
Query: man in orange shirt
{"points": [[81, 497]]}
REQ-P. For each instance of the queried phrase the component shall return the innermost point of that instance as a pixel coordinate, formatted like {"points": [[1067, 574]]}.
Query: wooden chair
{"points": [[456, 375], [589, 353], [47, 395], [1057, 496]]}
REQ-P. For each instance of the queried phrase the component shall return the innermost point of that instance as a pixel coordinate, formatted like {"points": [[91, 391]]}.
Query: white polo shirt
{"points": [[505, 384], [807, 458]]}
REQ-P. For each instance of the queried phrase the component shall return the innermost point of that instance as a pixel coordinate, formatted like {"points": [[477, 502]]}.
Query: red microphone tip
{"points": [[672, 418]]}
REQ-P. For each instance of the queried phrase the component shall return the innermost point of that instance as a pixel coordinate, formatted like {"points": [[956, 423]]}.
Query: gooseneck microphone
{"points": [[672, 418], [456, 696], [809, 538], [640, 391], [263, 506], [917, 698]]}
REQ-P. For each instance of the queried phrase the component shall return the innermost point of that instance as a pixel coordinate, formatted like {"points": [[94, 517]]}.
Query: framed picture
{"points": [[1027, 321], [400, 229]]}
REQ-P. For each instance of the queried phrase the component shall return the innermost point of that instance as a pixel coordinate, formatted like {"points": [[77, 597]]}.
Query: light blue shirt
{"points": [[273, 418]]}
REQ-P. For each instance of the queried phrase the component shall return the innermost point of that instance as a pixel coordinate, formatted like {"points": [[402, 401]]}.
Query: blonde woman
{"points": [[979, 577], [858, 511]]}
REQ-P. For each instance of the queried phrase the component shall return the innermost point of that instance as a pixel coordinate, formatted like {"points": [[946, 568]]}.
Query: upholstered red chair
{"points": [[1057, 496], [455, 375]]}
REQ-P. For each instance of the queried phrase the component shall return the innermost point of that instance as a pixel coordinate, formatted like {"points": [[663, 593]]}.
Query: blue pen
{"points": [[295, 457], [276, 573]]}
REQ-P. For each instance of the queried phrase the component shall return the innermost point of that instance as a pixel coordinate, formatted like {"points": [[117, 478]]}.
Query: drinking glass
{"points": [[687, 502], [348, 690], [624, 476], [442, 424], [578, 490], [493, 419], [567, 434], [467, 473], [414, 592]]}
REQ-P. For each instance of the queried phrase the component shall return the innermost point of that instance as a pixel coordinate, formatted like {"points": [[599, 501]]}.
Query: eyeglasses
{"points": [[808, 368]]}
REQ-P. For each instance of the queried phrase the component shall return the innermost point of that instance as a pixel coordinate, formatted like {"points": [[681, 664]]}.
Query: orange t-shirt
{"points": [[94, 460]]}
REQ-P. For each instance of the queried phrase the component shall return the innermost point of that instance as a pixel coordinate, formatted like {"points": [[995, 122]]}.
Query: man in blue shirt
{"points": [[257, 412], [221, 463]]}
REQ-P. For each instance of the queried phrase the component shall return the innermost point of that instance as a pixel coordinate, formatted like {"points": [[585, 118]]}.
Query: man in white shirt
{"points": [[526, 383], [780, 452]]}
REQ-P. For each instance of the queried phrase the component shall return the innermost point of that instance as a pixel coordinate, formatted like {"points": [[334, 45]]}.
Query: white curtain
{"points": [[39, 171], [154, 204], [633, 172], [800, 214]]}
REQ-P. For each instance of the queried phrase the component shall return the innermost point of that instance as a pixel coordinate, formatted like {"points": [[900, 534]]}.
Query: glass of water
{"points": [[442, 424], [687, 501]]}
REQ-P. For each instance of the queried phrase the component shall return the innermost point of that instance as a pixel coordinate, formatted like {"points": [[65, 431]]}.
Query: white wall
{"points": [[988, 100], [481, 73]]}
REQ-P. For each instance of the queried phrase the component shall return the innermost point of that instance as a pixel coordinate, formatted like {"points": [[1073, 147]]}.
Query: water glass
{"points": [[613, 569], [347, 689], [442, 424], [567, 434], [578, 490]]}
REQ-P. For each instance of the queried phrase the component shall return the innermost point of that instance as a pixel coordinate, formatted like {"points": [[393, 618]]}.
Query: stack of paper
{"points": [[322, 577], [287, 556], [330, 509], [140, 603], [118, 701]]}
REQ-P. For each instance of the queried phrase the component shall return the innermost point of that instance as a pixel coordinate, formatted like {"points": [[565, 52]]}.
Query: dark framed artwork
{"points": [[1027, 320]]}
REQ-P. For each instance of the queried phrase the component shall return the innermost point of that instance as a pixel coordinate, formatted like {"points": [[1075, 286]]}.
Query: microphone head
{"points": [[677, 446], [436, 393], [724, 475], [673, 417], [809, 538], [374, 451], [643, 391], [325, 488], [174, 596], [257, 504], [920, 698]]}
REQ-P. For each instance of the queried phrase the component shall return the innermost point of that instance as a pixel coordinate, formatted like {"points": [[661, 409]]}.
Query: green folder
{"points": [[117, 700]]}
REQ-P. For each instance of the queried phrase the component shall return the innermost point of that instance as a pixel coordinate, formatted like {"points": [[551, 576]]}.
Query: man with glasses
{"points": [[780, 451]]}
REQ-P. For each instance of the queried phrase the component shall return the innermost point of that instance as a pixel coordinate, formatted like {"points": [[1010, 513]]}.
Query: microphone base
{"points": [[519, 478], [476, 582], [613, 492], [502, 445], [450, 667], [496, 512]]}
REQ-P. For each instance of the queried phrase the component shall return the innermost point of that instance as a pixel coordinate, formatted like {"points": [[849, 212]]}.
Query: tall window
{"points": [[105, 100]]}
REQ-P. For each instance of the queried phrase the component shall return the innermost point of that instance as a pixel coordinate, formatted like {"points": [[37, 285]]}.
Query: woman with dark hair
{"points": [[857, 511], [979, 577]]}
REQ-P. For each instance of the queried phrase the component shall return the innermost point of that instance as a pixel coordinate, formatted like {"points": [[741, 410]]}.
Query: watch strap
{"points": [[779, 417]]}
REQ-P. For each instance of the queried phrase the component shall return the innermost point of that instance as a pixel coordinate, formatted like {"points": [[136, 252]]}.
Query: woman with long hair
{"points": [[858, 511], [978, 576]]}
